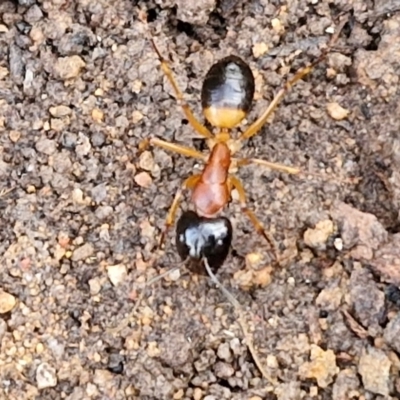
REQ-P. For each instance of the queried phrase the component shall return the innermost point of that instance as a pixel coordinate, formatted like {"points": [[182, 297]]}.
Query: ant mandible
{"points": [[226, 98]]}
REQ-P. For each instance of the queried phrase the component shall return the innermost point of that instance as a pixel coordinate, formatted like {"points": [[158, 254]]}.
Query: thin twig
{"points": [[243, 325], [4, 192]]}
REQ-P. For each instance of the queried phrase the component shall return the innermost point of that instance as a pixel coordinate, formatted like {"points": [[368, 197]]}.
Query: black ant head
{"points": [[198, 237]]}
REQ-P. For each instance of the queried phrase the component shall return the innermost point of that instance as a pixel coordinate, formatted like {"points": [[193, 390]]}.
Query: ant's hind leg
{"points": [[255, 127], [257, 224], [295, 171], [189, 183], [268, 164], [198, 126]]}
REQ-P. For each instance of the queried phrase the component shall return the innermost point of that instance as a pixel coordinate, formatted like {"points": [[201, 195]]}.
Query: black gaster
{"points": [[228, 84], [198, 238]]}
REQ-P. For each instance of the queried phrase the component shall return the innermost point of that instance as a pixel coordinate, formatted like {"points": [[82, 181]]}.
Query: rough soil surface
{"points": [[81, 209]]}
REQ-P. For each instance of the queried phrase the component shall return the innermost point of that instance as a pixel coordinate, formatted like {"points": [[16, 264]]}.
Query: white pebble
{"points": [[117, 274], [175, 275], [338, 243], [46, 376]]}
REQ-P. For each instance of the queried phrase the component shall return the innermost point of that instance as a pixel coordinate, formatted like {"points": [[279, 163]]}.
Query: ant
{"points": [[226, 98]]}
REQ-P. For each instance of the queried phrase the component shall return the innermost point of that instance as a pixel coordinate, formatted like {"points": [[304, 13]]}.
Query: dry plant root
{"points": [[242, 323]]}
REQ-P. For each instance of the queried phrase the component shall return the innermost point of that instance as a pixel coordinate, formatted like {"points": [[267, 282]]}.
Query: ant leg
{"points": [[177, 148], [294, 170], [233, 181], [278, 167], [198, 126], [189, 183], [257, 125]]}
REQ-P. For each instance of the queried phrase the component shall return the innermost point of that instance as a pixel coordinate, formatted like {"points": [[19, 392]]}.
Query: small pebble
{"points": [[195, 12], [224, 352], [98, 139], [253, 260], [175, 275], [146, 321], [146, 161], [374, 368], [235, 346], [60, 111], [84, 147], [91, 390], [68, 67], [36, 34], [338, 243], [39, 348], [46, 146], [313, 391], [83, 252], [3, 72], [336, 111], [102, 377], [219, 312], [392, 333], [262, 277], [15, 136], [97, 115], [94, 286], [316, 238], [57, 125], [322, 366], [147, 229], [167, 310], [291, 281], [143, 179], [34, 14], [136, 86], [7, 302], [179, 394], [223, 370], [117, 274], [197, 394], [329, 298], [244, 279], [3, 329], [46, 376], [136, 116], [277, 25], [259, 49], [153, 350], [272, 362], [37, 124], [77, 196]]}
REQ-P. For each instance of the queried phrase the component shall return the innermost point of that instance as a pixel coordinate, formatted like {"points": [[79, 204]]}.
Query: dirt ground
{"points": [[81, 209]]}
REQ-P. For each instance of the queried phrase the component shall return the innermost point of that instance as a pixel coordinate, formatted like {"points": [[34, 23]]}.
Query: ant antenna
{"points": [[125, 322], [242, 323]]}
